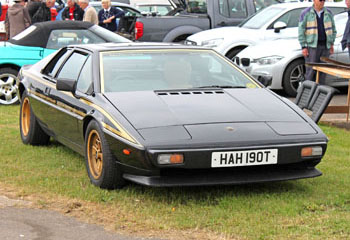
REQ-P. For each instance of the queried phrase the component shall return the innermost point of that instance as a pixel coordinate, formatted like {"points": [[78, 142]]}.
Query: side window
{"points": [[223, 8], [197, 6], [336, 10], [85, 77], [72, 66], [290, 18], [55, 64], [237, 8], [63, 37]]}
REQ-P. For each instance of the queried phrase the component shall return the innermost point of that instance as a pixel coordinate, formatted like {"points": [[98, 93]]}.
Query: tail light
{"points": [[138, 30]]}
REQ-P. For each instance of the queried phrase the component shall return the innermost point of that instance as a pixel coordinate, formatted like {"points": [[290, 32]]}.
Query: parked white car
{"points": [[283, 61], [274, 22]]}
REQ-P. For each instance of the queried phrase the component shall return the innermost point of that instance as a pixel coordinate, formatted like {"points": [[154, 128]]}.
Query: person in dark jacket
{"points": [[40, 11], [72, 12], [107, 16]]}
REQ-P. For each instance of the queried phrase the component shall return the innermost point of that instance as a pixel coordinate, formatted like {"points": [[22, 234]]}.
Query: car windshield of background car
{"points": [[24, 33], [170, 69], [260, 4], [263, 17], [108, 35]]}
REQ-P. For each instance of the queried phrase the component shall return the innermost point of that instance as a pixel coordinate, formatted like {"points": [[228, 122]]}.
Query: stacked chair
{"points": [[314, 97]]}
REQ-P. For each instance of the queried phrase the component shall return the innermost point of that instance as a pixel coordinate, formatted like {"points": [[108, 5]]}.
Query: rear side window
{"points": [[72, 67], [233, 8], [55, 64]]}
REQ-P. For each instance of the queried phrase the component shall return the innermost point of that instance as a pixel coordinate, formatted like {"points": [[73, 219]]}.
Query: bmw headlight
{"points": [[213, 42], [268, 60]]}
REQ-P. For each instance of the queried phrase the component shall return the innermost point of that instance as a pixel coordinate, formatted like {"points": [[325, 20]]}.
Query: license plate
{"points": [[244, 158]]}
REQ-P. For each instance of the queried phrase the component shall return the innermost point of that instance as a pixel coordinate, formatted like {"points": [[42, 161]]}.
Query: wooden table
{"points": [[338, 71]]}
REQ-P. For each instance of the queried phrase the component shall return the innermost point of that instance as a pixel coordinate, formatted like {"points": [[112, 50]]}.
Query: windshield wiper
{"points": [[221, 86]]}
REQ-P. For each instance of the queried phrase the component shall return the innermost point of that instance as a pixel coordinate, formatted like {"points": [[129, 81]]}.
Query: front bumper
{"points": [[232, 176]]}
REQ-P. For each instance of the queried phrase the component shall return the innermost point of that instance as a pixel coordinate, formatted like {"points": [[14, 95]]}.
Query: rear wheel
{"points": [[8, 87], [31, 132], [100, 164], [295, 73]]}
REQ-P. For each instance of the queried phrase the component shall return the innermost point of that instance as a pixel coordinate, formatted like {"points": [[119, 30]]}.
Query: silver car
{"points": [[283, 61]]}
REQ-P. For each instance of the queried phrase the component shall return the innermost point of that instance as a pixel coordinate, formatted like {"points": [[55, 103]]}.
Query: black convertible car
{"points": [[165, 115]]}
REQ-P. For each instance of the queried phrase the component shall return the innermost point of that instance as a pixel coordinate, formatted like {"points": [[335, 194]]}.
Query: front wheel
{"points": [[31, 132], [100, 163], [8, 87], [295, 73]]}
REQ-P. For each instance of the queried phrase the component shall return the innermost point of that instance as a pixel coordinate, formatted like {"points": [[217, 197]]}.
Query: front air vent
{"points": [[173, 93]]}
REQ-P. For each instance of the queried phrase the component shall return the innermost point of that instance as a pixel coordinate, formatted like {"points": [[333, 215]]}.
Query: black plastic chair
{"points": [[304, 94], [320, 100]]}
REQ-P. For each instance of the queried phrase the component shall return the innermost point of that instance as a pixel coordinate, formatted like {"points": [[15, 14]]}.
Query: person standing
{"points": [[316, 34], [40, 11], [345, 42], [17, 19], [90, 14], [72, 12], [107, 16]]}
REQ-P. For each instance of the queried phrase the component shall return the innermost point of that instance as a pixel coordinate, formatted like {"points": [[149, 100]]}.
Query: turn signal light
{"points": [[311, 151], [170, 159]]}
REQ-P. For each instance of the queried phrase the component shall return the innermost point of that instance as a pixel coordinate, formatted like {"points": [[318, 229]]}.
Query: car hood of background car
{"points": [[224, 32], [198, 110]]}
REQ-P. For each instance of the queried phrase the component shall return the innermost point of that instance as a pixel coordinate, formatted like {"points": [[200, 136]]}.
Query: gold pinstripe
{"points": [[122, 133]]}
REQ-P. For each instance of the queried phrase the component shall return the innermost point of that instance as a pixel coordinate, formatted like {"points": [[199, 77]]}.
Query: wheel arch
{"points": [[181, 31], [235, 48], [86, 122], [10, 65]]}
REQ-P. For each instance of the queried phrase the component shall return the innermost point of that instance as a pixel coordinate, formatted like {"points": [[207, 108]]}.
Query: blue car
{"points": [[40, 40]]}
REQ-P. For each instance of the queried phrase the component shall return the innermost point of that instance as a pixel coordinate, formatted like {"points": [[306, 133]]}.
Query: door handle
{"points": [[47, 91], [222, 24], [41, 53]]}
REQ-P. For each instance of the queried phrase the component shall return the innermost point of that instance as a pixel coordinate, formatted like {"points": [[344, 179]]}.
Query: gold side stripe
{"points": [[120, 131]]}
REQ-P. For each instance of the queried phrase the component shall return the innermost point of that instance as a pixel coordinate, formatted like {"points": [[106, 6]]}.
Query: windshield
{"points": [[108, 35], [262, 17], [136, 70]]}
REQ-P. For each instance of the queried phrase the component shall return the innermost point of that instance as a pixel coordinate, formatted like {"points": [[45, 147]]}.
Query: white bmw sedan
{"points": [[282, 60], [274, 22]]}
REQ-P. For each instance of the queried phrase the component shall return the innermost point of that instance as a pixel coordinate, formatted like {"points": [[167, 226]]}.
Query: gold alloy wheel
{"points": [[95, 155], [25, 116]]}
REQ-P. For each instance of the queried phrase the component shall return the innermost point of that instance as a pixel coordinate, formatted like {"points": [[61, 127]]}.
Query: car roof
{"points": [[39, 37], [135, 45], [114, 4]]}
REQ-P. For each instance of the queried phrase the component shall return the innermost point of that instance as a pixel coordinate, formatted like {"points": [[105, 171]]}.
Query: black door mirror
{"points": [[67, 85]]}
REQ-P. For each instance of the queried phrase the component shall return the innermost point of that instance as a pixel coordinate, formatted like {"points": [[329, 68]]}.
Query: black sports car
{"points": [[165, 115]]}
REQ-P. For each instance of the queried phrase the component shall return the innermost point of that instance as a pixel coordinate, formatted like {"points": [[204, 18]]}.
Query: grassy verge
{"points": [[305, 209]]}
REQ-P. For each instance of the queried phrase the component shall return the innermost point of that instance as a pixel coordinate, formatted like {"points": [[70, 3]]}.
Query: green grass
{"points": [[316, 208]]}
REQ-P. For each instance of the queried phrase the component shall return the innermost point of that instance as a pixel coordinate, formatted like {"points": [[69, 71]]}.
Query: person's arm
{"points": [[100, 17], [118, 13], [27, 19], [7, 26]]}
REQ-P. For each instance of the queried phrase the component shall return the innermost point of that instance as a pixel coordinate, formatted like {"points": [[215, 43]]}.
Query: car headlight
{"points": [[268, 60], [213, 42]]}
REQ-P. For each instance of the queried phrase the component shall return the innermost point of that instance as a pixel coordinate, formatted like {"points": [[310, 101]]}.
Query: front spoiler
{"points": [[224, 178]]}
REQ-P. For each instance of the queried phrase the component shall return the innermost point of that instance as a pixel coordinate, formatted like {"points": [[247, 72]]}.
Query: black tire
{"points": [[8, 90], [295, 72], [233, 52], [101, 165], [31, 132]]}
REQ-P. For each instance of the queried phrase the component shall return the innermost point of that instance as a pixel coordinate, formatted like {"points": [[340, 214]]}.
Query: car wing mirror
{"points": [[65, 84], [265, 80], [279, 25]]}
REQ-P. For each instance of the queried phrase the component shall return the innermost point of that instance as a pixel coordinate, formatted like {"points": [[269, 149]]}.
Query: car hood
{"points": [[279, 47], [223, 32], [161, 109]]}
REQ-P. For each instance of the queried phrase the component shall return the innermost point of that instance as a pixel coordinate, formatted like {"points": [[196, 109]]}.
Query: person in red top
{"points": [[53, 14], [72, 11]]}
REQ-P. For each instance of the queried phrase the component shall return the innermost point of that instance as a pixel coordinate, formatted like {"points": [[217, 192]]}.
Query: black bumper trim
{"points": [[224, 179]]}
